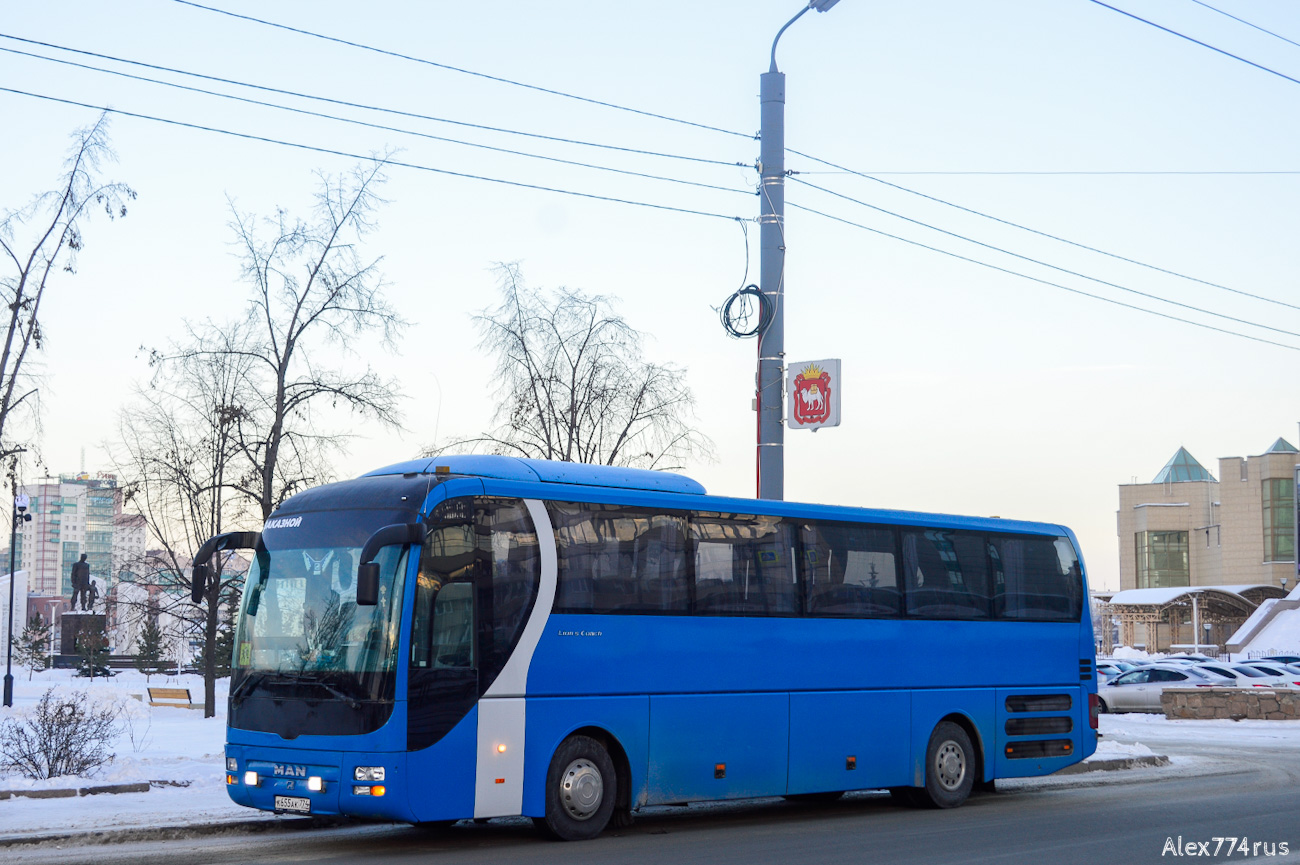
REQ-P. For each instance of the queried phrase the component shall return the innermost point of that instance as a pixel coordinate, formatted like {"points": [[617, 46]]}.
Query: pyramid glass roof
{"points": [[1182, 468], [1281, 446]]}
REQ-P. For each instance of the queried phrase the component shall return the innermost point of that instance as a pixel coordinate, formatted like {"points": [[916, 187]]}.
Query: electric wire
{"points": [[463, 71], [1247, 23], [1213, 48], [1041, 263], [1102, 173], [364, 107], [396, 163], [1039, 280], [1045, 234], [379, 126]]}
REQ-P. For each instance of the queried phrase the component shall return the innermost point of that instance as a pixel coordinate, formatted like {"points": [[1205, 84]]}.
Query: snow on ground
{"points": [[157, 743], [164, 743]]}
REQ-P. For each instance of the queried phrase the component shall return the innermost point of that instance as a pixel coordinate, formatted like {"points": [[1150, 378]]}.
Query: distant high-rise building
{"points": [[72, 515]]}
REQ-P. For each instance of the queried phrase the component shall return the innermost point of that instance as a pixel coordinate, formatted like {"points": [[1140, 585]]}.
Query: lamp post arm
{"points": [[773, 68]]}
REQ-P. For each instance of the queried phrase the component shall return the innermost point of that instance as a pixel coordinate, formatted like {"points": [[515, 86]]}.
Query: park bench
{"points": [[178, 697]]}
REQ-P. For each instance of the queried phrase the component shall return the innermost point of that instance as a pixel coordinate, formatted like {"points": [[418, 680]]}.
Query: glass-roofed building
{"points": [[1186, 528]]}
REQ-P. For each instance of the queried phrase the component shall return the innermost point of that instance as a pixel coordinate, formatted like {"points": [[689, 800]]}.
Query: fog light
{"points": [[314, 784], [368, 773], [361, 791], [250, 779]]}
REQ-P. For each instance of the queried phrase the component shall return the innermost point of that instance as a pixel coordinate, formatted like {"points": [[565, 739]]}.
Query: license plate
{"points": [[293, 803]]}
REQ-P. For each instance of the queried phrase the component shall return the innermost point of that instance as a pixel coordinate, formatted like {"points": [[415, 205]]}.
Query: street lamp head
{"points": [[821, 5], [22, 502]]}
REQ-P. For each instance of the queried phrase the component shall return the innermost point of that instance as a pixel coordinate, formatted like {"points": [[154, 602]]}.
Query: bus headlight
{"points": [[368, 773], [232, 765]]}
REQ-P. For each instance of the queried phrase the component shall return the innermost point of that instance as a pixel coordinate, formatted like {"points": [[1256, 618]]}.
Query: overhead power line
{"points": [[1213, 48], [462, 71], [379, 126], [397, 163], [1041, 263], [1045, 234], [409, 114], [1039, 280], [1247, 23]]}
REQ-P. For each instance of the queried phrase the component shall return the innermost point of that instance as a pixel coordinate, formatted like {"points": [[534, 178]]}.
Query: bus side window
{"points": [[451, 640], [850, 570], [946, 573], [617, 559], [1035, 578], [744, 565]]}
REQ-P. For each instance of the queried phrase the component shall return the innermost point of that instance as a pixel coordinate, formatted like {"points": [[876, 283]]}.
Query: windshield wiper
{"points": [[319, 681], [248, 683]]}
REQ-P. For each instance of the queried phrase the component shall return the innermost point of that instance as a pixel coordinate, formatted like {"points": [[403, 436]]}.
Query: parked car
{"points": [[1107, 670], [1241, 675], [1139, 690], [98, 671], [1278, 674], [1285, 659]]}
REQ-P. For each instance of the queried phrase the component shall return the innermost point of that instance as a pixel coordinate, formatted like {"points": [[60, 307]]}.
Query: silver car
{"points": [[1140, 690]]}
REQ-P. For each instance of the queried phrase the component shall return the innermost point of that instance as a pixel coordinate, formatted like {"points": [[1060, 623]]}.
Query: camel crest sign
{"points": [[814, 389]]}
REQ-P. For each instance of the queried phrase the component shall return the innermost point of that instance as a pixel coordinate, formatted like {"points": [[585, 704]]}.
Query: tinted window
{"points": [[1035, 577], [850, 570], [615, 559], [743, 565], [488, 542], [946, 574]]}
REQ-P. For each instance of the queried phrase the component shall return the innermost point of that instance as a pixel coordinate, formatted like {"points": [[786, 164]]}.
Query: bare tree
{"points": [[313, 294], [573, 385], [38, 241], [180, 460]]}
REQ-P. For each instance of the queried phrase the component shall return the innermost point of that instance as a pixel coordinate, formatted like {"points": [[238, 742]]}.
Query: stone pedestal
{"points": [[76, 624]]}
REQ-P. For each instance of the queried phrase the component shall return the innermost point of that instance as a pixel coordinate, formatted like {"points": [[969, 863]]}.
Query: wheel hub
{"points": [[950, 765], [581, 789]]}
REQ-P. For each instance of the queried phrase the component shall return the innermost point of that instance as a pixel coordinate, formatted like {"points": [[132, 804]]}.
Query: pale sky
{"points": [[966, 390]]}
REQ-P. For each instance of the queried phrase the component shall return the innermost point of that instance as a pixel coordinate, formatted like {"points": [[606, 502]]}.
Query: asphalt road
{"points": [[1134, 816]]}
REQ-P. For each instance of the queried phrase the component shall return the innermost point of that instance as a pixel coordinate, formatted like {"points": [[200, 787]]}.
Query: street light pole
{"points": [[19, 512], [771, 219]]}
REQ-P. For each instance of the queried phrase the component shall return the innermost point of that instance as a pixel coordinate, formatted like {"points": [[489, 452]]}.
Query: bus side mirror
{"points": [[199, 583], [368, 585], [368, 572]]}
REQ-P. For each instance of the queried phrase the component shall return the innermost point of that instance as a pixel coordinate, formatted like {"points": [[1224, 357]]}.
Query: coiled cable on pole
{"points": [[747, 313]]}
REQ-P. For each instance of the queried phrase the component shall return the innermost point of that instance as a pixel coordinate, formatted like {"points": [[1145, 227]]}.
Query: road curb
{"points": [[168, 833], [1113, 765], [71, 792]]}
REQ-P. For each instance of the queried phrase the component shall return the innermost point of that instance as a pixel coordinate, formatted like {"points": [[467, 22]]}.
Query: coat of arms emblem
{"points": [[811, 395]]}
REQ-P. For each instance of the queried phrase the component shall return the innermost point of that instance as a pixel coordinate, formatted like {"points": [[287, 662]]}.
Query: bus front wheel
{"points": [[949, 766], [581, 788]]}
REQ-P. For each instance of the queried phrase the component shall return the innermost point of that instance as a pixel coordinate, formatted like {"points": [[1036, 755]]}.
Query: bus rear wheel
{"points": [[949, 766], [581, 788]]}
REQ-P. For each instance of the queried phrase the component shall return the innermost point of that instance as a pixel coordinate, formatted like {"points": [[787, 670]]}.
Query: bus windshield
{"points": [[300, 623]]}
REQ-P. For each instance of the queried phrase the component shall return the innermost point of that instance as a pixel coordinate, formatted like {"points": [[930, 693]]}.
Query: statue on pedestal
{"points": [[81, 583]]}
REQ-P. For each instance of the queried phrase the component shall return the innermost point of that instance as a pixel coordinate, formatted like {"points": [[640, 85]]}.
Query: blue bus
{"points": [[486, 636]]}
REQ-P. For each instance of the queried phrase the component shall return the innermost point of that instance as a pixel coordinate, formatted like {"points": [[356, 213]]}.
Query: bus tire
{"points": [[581, 789], [949, 766]]}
